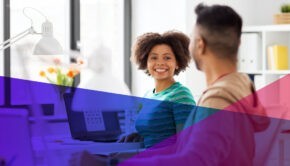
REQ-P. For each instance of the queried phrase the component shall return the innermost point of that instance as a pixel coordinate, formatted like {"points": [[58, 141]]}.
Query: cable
{"points": [[31, 8]]}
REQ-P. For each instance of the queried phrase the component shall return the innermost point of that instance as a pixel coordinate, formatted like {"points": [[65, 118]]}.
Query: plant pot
{"points": [[59, 106], [282, 18]]}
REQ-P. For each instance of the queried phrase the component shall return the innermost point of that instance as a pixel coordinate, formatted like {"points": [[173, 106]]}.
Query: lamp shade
{"points": [[47, 45]]}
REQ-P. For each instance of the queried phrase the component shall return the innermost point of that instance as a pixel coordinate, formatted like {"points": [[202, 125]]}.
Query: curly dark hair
{"points": [[177, 41]]}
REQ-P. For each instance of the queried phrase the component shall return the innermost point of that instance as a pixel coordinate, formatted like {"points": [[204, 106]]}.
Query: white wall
{"points": [[263, 11]]}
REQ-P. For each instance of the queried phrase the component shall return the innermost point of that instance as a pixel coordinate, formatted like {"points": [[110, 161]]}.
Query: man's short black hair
{"points": [[220, 27]]}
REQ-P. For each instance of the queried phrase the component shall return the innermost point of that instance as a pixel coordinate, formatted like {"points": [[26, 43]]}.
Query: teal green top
{"points": [[158, 118]]}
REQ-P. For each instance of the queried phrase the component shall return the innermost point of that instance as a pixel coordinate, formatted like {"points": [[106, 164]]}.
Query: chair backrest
{"points": [[15, 141], [266, 139]]}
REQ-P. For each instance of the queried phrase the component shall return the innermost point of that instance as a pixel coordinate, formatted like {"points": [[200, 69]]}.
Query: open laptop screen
{"points": [[94, 124]]}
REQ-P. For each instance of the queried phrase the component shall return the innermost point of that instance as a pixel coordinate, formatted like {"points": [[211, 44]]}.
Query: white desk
{"points": [[57, 150]]}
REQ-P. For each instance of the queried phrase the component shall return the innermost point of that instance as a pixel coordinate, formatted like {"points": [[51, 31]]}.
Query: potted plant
{"points": [[284, 16], [285, 8]]}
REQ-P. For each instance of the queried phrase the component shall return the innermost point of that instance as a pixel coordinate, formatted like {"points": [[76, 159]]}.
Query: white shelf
{"points": [[269, 28], [268, 35], [254, 58], [277, 72], [267, 72], [251, 72]]}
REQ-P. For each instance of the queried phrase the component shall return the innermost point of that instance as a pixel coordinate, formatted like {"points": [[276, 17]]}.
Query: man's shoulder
{"points": [[218, 98], [226, 91]]}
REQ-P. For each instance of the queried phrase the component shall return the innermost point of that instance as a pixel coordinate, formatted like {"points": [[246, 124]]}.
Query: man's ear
{"points": [[200, 43]]}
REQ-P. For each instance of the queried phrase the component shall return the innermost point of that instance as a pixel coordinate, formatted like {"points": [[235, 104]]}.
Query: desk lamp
{"points": [[47, 45]]}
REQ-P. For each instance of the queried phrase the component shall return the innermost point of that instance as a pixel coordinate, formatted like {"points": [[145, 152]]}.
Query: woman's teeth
{"points": [[160, 70]]}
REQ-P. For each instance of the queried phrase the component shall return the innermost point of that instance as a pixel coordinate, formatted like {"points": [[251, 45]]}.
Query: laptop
{"points": [[93, 125], [15, 142]]}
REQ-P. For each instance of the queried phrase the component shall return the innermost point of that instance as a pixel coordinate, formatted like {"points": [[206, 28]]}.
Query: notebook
{"points": [[92, 125]]}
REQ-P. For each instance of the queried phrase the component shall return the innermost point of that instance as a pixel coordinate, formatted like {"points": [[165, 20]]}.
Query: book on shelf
{"points": [[277, 57]]}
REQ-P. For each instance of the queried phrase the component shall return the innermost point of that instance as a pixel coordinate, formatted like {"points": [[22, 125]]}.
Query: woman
{"points": [[162, 56]]}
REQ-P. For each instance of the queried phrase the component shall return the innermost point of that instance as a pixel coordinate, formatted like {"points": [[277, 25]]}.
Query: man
{"points": [[212, 135]]}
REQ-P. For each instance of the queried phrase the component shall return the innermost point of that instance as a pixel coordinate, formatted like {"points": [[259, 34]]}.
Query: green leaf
{"points": [[50, 80], [285, 8]]}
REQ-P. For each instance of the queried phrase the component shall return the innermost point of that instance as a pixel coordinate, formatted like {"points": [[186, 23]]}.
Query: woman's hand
{"points": [[133, 137]]}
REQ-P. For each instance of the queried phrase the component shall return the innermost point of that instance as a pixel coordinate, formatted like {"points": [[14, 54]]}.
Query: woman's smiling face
{"points": [[161, 62]]}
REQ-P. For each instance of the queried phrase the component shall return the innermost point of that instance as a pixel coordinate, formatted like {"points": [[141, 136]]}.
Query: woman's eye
{"points": [[167, 58], [153, 58]]}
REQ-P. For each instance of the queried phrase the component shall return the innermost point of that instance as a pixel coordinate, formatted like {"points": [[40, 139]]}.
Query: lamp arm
{"points": [[14, 39]]}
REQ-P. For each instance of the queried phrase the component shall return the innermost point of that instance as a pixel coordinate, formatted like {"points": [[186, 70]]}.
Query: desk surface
{"points": [[56, 150]]}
